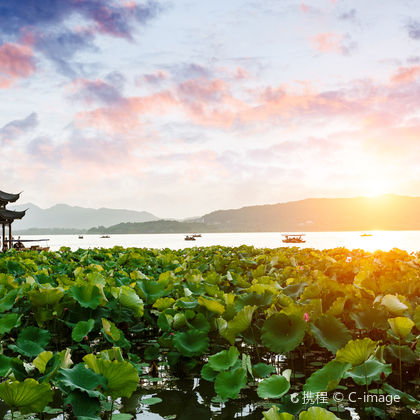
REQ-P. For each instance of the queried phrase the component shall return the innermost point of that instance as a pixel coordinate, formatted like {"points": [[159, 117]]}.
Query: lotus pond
{"points": [[211, 332]]}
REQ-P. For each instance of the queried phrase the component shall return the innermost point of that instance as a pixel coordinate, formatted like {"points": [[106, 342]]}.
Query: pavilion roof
{"points": [[8, 198], [10, 215]]}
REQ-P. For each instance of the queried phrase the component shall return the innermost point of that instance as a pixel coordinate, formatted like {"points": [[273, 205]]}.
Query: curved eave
{"points": [[8, 198], [10, 215]]}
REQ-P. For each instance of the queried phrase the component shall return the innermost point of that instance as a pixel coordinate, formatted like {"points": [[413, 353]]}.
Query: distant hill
{"points": [[63, 216], [388, 212], [159, 226]]}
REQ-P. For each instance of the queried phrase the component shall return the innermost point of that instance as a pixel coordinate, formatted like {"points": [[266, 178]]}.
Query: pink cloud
{"points": [[16, 62], [328, 42], [406, 74]]}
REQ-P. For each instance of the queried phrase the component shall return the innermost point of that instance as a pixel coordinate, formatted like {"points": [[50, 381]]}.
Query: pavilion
{"points": [[7, 217]]}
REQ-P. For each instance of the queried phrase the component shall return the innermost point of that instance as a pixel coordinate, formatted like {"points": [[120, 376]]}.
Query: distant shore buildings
{"points": [[7, 217]]}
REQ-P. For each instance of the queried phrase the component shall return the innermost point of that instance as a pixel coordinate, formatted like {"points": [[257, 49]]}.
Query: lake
{"points": [[384, 240]]}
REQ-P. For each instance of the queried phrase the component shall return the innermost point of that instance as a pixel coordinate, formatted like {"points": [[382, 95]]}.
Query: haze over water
{"points": [[383, 240]]}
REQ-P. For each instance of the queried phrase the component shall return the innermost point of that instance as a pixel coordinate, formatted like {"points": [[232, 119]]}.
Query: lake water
{"points": [[384, 240]]}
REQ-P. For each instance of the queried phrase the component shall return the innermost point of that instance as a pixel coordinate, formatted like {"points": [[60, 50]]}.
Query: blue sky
{"points": [[181, 108]]}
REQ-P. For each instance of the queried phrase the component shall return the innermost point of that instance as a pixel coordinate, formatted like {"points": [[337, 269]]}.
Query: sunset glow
{"points": [[185, 108]]}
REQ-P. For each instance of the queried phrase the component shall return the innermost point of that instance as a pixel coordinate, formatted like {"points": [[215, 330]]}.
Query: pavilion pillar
{"points": [[10, 236], [3, 234]]}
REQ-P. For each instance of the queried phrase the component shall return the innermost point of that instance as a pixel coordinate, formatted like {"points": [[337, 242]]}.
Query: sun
{"points": [[376, 187]]}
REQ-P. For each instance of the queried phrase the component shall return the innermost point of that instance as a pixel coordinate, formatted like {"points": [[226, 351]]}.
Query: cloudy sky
{"points": [[183, 107]]}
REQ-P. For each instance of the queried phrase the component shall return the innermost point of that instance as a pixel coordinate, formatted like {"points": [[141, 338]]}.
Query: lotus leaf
{"points": [[199, 323], [356, 352], [274, 386], [129, 298], [401, 326], [394, 353], [369, 371], [45, 295], [229, 383], [40, 362], [164, 303], [212, 305], [111, 330], [370, 318], [8, 322], [224, 359], [150, 290], [28, 396], [208, 373], [122, 378], [394, 305], [330, 333], [82, 379], [7, 301], [82, 329], [5, 364], [191, 343], [282, 333], [83, 405], [327, 378], [405, 398], [88, 295], [274, 414], [261, 370], [150, 401], [238, 324], [317, 413], [417, 317]]}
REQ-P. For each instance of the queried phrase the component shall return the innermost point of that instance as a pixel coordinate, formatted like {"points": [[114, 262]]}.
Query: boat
{"points": [[197, 235], [189, 238], [293, 238], [105, 236], [80, 236], [366, 234]]}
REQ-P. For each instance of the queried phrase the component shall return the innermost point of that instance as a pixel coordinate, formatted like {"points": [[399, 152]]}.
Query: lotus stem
{"points": [[366, 383], [399, 361]]}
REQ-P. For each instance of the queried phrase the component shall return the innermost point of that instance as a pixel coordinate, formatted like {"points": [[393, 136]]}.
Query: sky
{"points": [[184, 107]]}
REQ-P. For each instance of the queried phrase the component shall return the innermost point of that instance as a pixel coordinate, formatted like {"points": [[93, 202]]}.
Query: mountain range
{"points": [[387, 212], [63, 216]]}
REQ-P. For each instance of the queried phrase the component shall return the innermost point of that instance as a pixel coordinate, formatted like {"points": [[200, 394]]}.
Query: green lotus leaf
{"points": [[261, 370], [229, 383], [82, 329], [401, 326], [330, 333], [7, 301], [208, 373], [370, 318], [28, 396], [37, 335], [129, 298], [5, 364], [191, 343], [59, 360], [40, 362], [317, 413], [8, 322], [199, 323], [393, 304], [327, 378], [179, 320], [83, 405], [405, 398], [212, 305], [150, 290], [274, 414], [240, 322], [150, 401], [88, 295], [164, 303], [282, 333], [111, 330], [81, 378], [369, 371], [273, 387], [356, 352], [122, 377], [27, 348], [394, 353], [224, 359], [45, 295]]}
